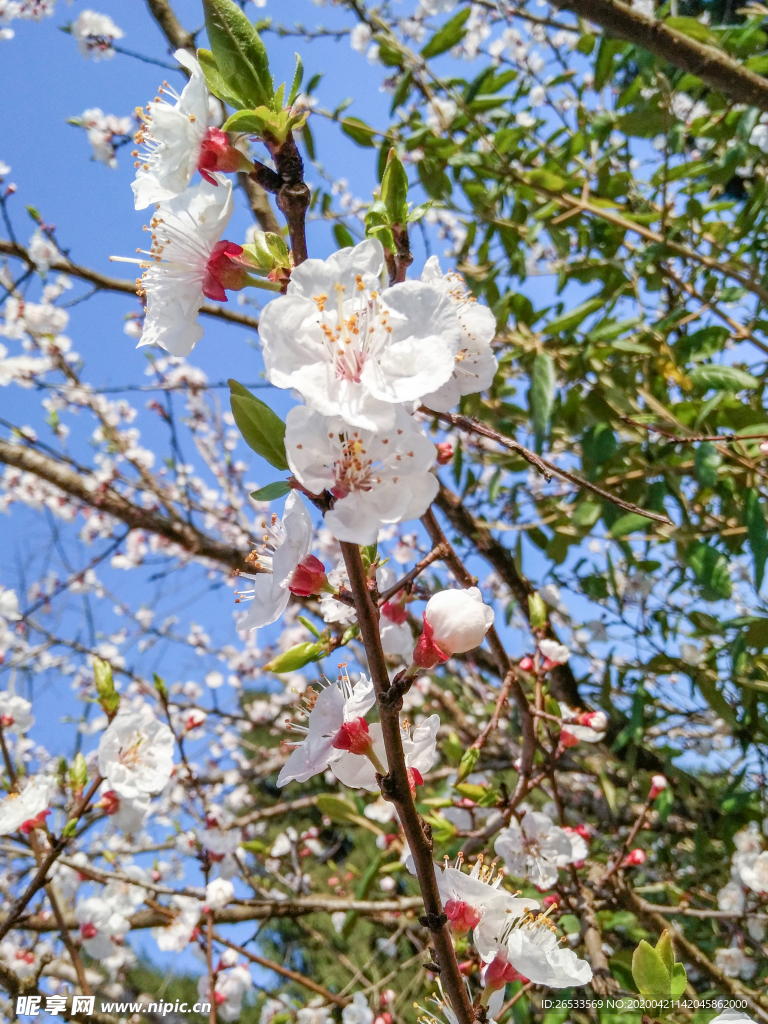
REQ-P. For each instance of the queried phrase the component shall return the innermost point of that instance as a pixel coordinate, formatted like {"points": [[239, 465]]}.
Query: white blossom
{"points": [[353, 350], [535, 849], [136, 753], [375, 477], [95, 33], [17, 809]]}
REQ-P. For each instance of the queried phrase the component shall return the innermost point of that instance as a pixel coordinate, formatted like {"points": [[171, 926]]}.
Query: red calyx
{"points": [[415, 779], [462, 916], [32, 823], [353, 736], [444, 453], [110, 802], [218, 154], [222, 273], [567, 739], [308, 577], [7, 720], [552, 899], [427, 654], [498, 972], [88, 930], [394, 609]]}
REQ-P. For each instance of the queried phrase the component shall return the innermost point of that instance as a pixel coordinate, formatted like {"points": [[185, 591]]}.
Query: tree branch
{"points": [[711, 65]]}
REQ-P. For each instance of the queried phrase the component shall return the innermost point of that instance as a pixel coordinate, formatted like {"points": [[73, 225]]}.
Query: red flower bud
{"points": [[526, 663], [567, 739], [633, 858], [444, 453], [353, 736], [218, 154], [658, 785], [414, 779], [498, 972], [110, 802], [222, 273], [552, 900], [308, 577], [88, 930]]}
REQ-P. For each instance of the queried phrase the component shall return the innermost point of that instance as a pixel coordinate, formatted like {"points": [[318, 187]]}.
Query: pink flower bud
{"points": [[353, 736], [526, 663], [552, 900], [658, 785], [308, 577], [223, 273], [455, 621], [88, 930], [597, 720], [633, 858], [218, 154], [462, 916], [444, 453]]}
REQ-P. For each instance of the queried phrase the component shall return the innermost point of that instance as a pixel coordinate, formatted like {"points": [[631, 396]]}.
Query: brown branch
{"points": [[258, 200], [115, 284], [440, 551], [178, 38], [109, 500], [713, 66], [285, 972], [395, 786], [237, 913], [544, 466]]}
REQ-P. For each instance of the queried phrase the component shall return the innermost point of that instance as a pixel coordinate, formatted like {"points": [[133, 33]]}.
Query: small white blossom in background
{"points": [[95, 34], [42, 251], [535, 849], [104, 131], [136, 753]]}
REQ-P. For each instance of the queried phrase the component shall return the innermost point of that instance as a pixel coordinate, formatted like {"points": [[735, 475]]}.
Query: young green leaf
{"points": [[271, 492], [295, 658], [679, 981], [448, 35], [239, 53], [394, 189], [722, 378], [262, 430], [757, 533], [215, 80], [298, 76], [651, 976], [666, 951], [537, 611], [541, 395], [707, 460]]}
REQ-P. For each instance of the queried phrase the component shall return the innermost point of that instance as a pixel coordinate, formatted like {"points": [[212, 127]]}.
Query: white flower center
{"points": [[353, 471], [356, 331]]}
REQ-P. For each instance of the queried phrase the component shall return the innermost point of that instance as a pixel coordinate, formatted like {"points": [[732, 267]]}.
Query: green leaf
{"points": [[586, 514], [70, 828], [567, 321], [344, 239], [710, 567], [160, 686], [215, 81], [394, 189], [757, 533], [707, 460], [246, 121], [359, 131], [239, 53], [108, 697], [467, 764], [271, 492], [344, 812], [679, 981], [78, 773], [722, 378], [648, 970], [666, 950], [537, 611], [298, 77], [631, 522], [693, 28], [295, 658], [541, 395], [262, 430], [448, 35]]}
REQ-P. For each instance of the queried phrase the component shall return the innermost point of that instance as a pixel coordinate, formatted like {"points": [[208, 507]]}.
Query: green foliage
{"points": [[262, 430], [238, 53], [108, 696]]}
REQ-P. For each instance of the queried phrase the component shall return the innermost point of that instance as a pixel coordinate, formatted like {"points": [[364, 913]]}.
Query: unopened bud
{"points": [[658, 785], [634, 858], [444, 453], [526, 663], [222, 273], [308, 578]]}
